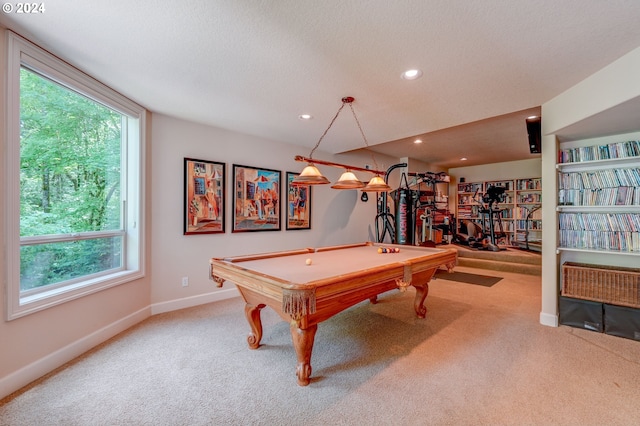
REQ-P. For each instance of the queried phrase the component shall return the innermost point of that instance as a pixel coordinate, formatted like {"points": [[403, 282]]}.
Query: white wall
{"points": [[337, 217], [508, 170]]}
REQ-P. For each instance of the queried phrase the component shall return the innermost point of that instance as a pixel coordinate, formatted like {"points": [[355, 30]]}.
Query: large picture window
{"points": [[75, 170]]}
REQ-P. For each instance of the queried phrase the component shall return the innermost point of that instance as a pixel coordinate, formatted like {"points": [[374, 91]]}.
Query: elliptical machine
{"points": [[492, 214]]}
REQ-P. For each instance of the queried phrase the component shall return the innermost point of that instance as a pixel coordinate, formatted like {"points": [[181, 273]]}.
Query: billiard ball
{"points": [[308, 261], [380, 250]]}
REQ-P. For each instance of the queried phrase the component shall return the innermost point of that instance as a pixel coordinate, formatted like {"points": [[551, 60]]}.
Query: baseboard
{"points": [[27, 374], [188, 302], [550, 320]]}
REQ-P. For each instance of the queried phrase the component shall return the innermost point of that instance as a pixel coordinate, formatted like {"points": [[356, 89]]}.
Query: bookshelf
{"points": [[520, 196], [528, 215], [598, 201], [598, 240], [432, 214]]}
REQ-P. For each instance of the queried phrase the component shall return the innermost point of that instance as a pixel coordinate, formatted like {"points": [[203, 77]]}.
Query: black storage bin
{"points": [[622, 321], [581, 313]]}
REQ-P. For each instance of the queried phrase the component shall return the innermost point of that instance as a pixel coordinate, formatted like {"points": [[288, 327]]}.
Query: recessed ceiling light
{"points": [[305, 117], [411, 74], [417, 141], [463, 159]]}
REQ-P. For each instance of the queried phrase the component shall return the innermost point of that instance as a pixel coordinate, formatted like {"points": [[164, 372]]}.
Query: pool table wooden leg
{"points": [[303, 344], [418, 303], [253, 316]]}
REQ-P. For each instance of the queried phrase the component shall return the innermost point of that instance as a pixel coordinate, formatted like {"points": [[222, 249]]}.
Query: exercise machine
{"points": [[385, 220], [474, 234], [492, 214]]}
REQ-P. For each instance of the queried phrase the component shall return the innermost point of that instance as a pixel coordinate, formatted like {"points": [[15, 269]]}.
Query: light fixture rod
{"points": [[343, 166]]}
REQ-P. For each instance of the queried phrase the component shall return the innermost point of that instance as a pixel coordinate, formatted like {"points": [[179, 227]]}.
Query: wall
{"points": [[36, 344], [507, 170], [337, 217]]}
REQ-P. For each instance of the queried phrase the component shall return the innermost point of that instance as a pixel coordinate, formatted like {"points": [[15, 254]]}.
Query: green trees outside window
{"points": [[70, 184]]}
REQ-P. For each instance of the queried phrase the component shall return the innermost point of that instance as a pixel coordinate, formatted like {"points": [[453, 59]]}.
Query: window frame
{"points": [[21, 52]]}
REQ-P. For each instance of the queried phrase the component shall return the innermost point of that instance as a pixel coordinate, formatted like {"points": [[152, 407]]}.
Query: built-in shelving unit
{"points": [[598, 216], [521, 196], [432, 213], [528, 215], [599, 196]]}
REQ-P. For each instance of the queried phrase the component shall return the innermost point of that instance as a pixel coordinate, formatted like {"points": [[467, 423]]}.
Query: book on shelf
{"points": [[530, 198], [621, 196], [534, 184], [470, 187], [608, 178], [621, 241], [599, 221], [610, 151]]}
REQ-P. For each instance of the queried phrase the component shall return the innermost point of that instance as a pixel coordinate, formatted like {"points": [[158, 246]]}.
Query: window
{"points": [[74, 176]]}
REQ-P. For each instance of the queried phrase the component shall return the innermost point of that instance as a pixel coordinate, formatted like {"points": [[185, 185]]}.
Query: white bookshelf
{"points": [[520, 196], [598, 203]]}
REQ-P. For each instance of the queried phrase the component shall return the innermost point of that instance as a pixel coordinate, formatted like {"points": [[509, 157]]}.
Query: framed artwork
{"points": [[256, 199], [298, 204], [204, 197]]}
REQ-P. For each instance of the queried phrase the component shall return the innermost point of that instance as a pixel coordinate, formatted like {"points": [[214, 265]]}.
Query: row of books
{"points": [[523, 213], [609, 178], [621, 196], [601, 240], [534, 225], [532, 184], [530, 198], [626, 222], [600, 152], [506, 184], [470, 187]]}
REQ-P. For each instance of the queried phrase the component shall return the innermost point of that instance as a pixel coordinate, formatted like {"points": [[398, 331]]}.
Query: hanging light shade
{"points": [[348, 181], [376, 184], [310, 175]]}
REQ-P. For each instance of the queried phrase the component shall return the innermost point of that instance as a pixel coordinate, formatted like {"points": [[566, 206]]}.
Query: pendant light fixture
{"points": [[310, 175]]}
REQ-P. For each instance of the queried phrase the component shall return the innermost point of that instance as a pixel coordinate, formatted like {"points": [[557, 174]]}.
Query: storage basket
{"points": [[608, 284]]}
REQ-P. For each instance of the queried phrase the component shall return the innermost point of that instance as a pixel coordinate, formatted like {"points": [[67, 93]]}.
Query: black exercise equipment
{"points": [[473, 234], [493, 214], [385, 220]]}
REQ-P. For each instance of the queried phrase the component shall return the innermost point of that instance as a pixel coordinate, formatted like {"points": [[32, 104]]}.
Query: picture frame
{"points": [[204, 197], [298, 204], [257, 199]]}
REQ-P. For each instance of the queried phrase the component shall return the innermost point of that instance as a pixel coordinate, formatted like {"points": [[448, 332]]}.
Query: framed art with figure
{"points": [[204, 197], [298, 204], [256, 199]]}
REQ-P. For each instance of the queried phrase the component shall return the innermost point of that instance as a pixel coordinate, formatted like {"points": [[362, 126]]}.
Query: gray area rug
{"points": [[468, 278]]}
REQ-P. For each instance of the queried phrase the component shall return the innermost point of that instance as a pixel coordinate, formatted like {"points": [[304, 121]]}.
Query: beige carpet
{"points": [[479, 358]]}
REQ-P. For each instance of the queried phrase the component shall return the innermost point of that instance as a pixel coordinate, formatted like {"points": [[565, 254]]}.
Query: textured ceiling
{"points": [[254, 66]]}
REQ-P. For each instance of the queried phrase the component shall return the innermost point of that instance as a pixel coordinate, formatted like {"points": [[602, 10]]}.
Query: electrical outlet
{"points": [[185, 281]]}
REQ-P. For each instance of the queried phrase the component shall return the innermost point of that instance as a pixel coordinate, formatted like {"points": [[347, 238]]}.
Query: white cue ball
{"points": [[308, 262]]}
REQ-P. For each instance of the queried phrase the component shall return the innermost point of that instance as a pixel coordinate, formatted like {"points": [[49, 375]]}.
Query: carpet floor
{"points": [[480, 357]]}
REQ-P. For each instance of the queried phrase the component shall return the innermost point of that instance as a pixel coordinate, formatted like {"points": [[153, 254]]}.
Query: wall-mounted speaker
{"points": [[534, 130]]}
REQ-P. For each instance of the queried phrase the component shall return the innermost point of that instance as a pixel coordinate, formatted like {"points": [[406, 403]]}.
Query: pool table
{"points": [[310, 285]]}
